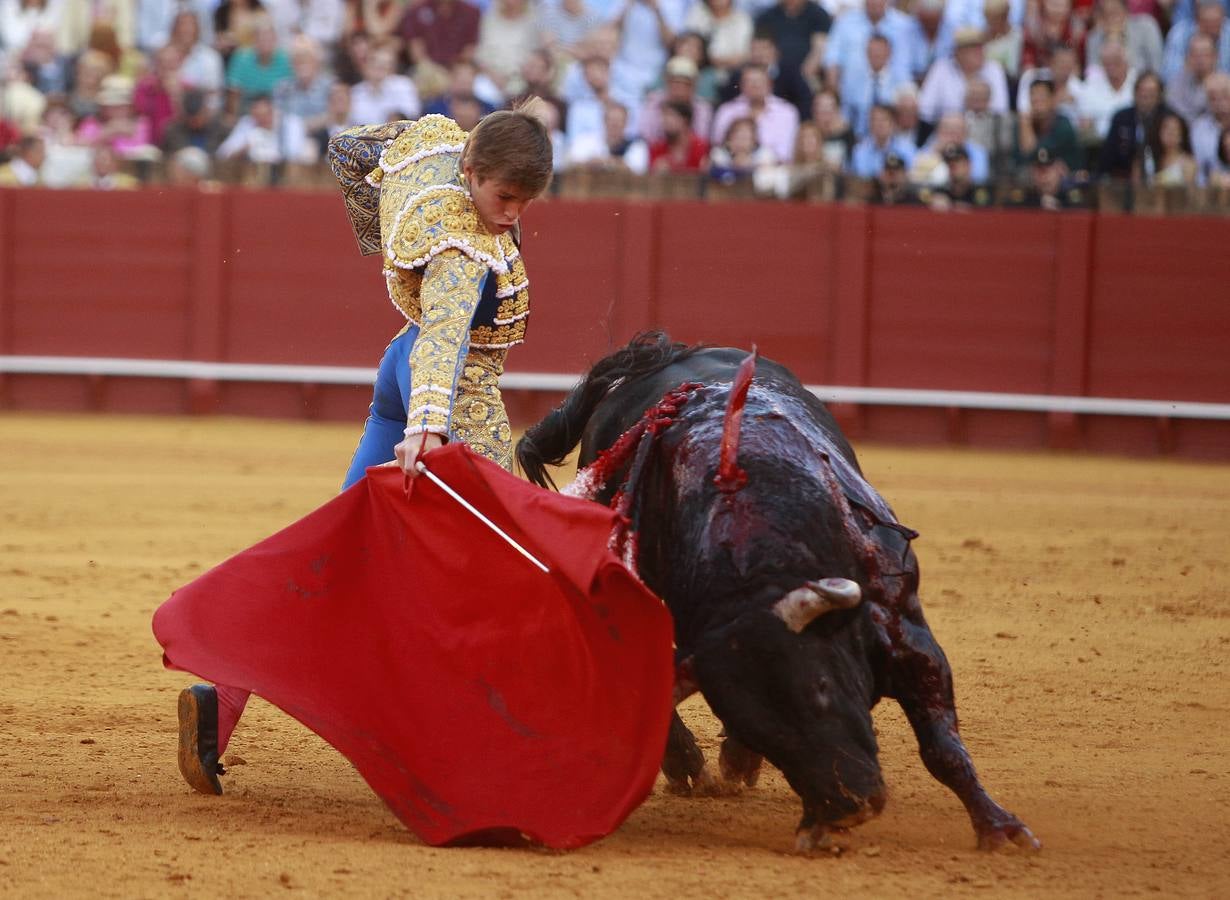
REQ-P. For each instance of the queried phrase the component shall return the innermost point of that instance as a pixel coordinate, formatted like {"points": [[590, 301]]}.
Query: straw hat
{"points": [[969, 37], [115, 90]]}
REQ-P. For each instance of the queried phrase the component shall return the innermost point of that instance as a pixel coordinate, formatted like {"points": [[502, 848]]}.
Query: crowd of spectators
{"points": [[950, 103]]}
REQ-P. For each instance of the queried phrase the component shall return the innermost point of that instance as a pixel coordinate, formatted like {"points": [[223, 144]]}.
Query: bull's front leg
{"points": [[922, 683], [684, 762], [739, 765]]}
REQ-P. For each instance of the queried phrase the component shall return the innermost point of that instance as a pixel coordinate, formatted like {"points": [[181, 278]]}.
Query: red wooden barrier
{"points": [[1074, 304]]}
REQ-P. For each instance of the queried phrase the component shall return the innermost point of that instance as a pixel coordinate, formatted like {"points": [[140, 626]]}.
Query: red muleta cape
{"points": [[483, 700]]}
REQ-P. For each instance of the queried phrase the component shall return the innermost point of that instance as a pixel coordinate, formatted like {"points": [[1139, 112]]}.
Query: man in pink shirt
{"points": [[777, 121]]}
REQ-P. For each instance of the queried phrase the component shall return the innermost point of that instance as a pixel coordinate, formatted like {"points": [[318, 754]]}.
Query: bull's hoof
{"points": [[738, 764], [680, 787], [699, 785], [739, 767], [702, 784], [706, 785], [1015, 836], [819, 839]]}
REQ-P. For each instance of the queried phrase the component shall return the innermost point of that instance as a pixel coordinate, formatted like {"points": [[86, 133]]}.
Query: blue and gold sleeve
{"points": [[451, 289]]}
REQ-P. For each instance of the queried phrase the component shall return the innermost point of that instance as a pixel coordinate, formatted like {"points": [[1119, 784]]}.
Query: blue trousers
{"points": [[386, 418]]}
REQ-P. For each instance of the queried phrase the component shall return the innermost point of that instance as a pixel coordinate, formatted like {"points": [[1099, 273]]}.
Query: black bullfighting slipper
{"points": [[198, 738]]}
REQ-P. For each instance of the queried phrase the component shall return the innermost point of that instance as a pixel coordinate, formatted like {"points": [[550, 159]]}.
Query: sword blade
{"points": [[440, 483]]}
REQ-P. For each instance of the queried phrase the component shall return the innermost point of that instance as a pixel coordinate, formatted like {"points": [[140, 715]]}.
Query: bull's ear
{"points": [[804, 605]]}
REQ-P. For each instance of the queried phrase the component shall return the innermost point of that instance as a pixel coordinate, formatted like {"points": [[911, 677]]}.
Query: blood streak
{"points": [[730, 477]]}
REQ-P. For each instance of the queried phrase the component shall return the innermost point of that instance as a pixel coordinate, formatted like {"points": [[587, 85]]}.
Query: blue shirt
{"points": [[1175, 52], [921, 52], [867, 159], [860, 90], [847, 43], [969, 13], [1185, 11]]}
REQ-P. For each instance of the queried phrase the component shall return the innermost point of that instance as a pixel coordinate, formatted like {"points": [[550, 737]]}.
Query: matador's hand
{"points": [[412, 448]]}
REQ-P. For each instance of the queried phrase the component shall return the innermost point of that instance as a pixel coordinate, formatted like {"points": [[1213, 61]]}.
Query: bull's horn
{"points": [[803, 605]]}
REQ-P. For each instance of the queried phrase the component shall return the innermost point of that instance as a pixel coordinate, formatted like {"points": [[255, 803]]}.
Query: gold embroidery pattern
{"points": [[429, 134], [452, 286], [479, 418]]}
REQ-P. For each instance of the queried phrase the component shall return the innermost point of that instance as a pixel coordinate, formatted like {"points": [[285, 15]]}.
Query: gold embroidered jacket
{"points": [[407, 200]]}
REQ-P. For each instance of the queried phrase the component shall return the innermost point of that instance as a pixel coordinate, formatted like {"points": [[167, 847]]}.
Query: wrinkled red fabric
{"points": [[483, 700]]}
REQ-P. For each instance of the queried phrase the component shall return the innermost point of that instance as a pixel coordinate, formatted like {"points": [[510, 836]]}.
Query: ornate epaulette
{"points": [[432, 135]]}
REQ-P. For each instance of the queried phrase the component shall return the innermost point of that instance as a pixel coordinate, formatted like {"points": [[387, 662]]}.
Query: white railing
{"points": [[546, 381]]}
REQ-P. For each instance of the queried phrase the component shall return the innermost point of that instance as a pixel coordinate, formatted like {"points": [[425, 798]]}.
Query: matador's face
{"points": [[499, 203]]}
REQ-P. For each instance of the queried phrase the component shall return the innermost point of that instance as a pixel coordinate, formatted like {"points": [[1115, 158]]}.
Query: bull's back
{"points": [[625, 404]]}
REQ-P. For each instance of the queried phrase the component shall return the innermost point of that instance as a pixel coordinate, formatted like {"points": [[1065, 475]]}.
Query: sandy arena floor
{"points": [[1083, 602]]}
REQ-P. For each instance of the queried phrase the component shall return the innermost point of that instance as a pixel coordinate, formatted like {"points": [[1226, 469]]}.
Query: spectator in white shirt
{"points": [[614, 150], [321, 20], [647, 30], [1005, 39], [507, 33], [1108, 88], [382, 96], [993, 132], [1208, 131], [262, 136], [585, 114], [726, 28], [23, 169], [603, 41], [943, 90], [910, 125], [19, 19], [202, 65], [1061, 72], [565, 23]]}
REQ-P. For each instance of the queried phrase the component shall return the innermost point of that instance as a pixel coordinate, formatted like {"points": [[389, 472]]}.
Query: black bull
{"points": [[793, 587]]}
